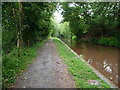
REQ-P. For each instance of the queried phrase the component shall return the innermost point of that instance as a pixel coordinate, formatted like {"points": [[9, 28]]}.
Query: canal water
{"points": [[103, 58]]}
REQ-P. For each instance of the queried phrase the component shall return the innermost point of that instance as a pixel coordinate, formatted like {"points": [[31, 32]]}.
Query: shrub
{"points": [[74, 37], [113, 41], [109, 41], [103, 41]]}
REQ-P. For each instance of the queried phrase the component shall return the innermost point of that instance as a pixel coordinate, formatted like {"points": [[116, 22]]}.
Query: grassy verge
{"points": [[13, 65], [78, 69]]}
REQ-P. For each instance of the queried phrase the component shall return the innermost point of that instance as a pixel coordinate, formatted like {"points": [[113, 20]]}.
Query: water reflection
{"points": [[107, 67], [103, 58]]}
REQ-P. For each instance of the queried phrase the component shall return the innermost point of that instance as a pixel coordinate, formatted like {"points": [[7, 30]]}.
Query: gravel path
{"points": [[46, 71]]}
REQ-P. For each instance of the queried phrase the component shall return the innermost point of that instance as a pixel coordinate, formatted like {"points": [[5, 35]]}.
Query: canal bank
{"points": [[87, 74], [103, 58]]}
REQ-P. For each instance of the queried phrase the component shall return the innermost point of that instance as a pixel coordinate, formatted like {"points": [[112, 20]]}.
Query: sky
{"points": [[58, 14]]}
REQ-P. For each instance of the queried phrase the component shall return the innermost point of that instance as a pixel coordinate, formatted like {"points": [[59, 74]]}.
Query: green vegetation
{"points": [[60, 30], [112, 41], [92, 21], [109, 41], [14, 65], [23, 26], [78, 69]]}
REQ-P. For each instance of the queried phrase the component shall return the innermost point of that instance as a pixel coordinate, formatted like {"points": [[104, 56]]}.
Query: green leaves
{"points": [[29, 22], [100, 18], [109, 41], [32, 22]]}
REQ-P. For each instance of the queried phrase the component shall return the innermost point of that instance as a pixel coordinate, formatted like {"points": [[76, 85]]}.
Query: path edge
{"points": [[101, 76]]}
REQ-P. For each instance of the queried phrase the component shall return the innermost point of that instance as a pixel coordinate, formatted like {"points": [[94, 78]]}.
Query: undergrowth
{"points": [[13, 65], [109, 41]]}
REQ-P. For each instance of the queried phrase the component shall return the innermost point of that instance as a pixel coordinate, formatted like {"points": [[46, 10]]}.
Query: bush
{"points": [[113, 42], [74, 37], [103, 41], [109, 41]]}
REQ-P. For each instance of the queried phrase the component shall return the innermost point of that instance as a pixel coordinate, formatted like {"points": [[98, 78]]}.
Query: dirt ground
{"points": [[46, 71]]}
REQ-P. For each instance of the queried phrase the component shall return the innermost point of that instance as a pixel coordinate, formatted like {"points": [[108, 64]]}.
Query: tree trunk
{"points": [[19, 34]]}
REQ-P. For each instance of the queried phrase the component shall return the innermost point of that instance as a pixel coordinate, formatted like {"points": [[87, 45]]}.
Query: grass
{"points": [[78, 69], [13, 65]]}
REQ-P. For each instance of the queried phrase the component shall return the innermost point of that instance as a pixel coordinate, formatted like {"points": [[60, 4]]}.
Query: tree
{"points": [[25, 23]]}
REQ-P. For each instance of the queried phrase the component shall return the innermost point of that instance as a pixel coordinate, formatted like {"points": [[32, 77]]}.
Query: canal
{"points": [[103, 58]]}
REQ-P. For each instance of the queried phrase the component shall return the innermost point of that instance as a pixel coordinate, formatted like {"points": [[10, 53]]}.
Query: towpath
{"points": [[46, 71]]}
